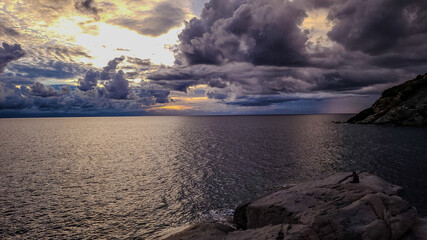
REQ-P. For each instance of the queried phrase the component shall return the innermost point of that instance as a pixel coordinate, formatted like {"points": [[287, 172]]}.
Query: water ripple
{"points": [[144, 177]]}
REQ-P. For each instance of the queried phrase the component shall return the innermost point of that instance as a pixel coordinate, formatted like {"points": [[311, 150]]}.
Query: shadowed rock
{"points": [[207, 231], [332, 208], [405, 104]]}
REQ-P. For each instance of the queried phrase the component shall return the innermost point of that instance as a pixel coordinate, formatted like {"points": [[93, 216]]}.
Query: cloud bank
{"points": [[261, 48], [252, 56]]}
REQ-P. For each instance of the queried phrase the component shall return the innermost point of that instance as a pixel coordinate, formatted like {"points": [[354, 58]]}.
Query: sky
{"points": [[205, 57]]}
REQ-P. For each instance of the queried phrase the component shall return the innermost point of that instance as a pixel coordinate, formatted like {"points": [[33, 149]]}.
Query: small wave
{"points": [[223, 215]]}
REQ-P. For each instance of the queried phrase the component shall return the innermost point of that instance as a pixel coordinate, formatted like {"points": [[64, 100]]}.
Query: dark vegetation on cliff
{"points": [[405, 104]]}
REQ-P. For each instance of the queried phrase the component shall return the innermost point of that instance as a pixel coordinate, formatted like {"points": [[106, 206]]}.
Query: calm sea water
{"points": [[135, 177]]}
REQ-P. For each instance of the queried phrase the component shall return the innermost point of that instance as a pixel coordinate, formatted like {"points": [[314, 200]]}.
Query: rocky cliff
{"points": [[334, 208], [405, 104]]}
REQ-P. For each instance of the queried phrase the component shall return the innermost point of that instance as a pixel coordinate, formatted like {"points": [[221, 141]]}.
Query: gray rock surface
{"points": [[331, 208], [405, 104], [420, 229], [275, 232], [208, 231]]}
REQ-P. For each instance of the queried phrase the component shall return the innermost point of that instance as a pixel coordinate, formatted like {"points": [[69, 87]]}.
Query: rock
{"points": [[337, 209], [420, 229], [275, 232], [328, 209], [208, 231], [240, 217], [405, 104]]}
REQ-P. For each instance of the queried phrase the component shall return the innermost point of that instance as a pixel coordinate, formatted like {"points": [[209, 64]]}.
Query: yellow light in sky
{"points": [[104, 47], [190, 99], [171, 107], [319, 25], [111, 41], [67, 27]]}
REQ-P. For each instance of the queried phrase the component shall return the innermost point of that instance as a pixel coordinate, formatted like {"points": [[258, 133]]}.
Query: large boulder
{"points": [[334, 208], [405, 104]]}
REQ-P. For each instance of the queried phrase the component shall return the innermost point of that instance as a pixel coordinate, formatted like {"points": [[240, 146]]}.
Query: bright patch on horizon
{"points": [[171, 107], [190, 99]]}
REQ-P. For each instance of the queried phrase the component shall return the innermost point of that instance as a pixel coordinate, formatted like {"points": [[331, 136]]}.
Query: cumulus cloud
{"points": [[152, 96], [89, 81], [260, 32], [111, 68], [11, 97], [376, 27], [242, 53], [250, 52], [111, 94], [40, 90], [118, 86], [9, 53], [163, 17]]}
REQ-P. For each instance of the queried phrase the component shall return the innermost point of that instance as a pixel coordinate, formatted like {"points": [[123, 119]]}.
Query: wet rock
{"points": [[240, 217]]}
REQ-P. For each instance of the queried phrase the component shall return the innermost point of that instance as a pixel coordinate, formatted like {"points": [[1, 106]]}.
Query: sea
{"points": [[144, 177]]}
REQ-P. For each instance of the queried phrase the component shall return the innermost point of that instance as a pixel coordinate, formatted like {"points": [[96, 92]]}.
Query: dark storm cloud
{"points": [[111, 68], [118, 86], [376, 27], [260, 32], [217, 95], [260, 101], [51, 69], [159, 20], [16, 79], [116, 95], [257, 48], [348, 80], [217, 83], [246, 53], [315, 4], [9, 53], [86, 6], [151, 96], [11, 97], [90, 80], [40, 90], [249, 78], [45, 62]]}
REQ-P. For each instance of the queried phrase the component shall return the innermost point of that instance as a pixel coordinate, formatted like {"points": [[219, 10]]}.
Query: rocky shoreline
{"points": [[326, 209], [405, 104]]}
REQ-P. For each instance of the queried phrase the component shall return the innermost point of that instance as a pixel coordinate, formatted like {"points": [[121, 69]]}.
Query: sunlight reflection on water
{"points": [[133, 177]]}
